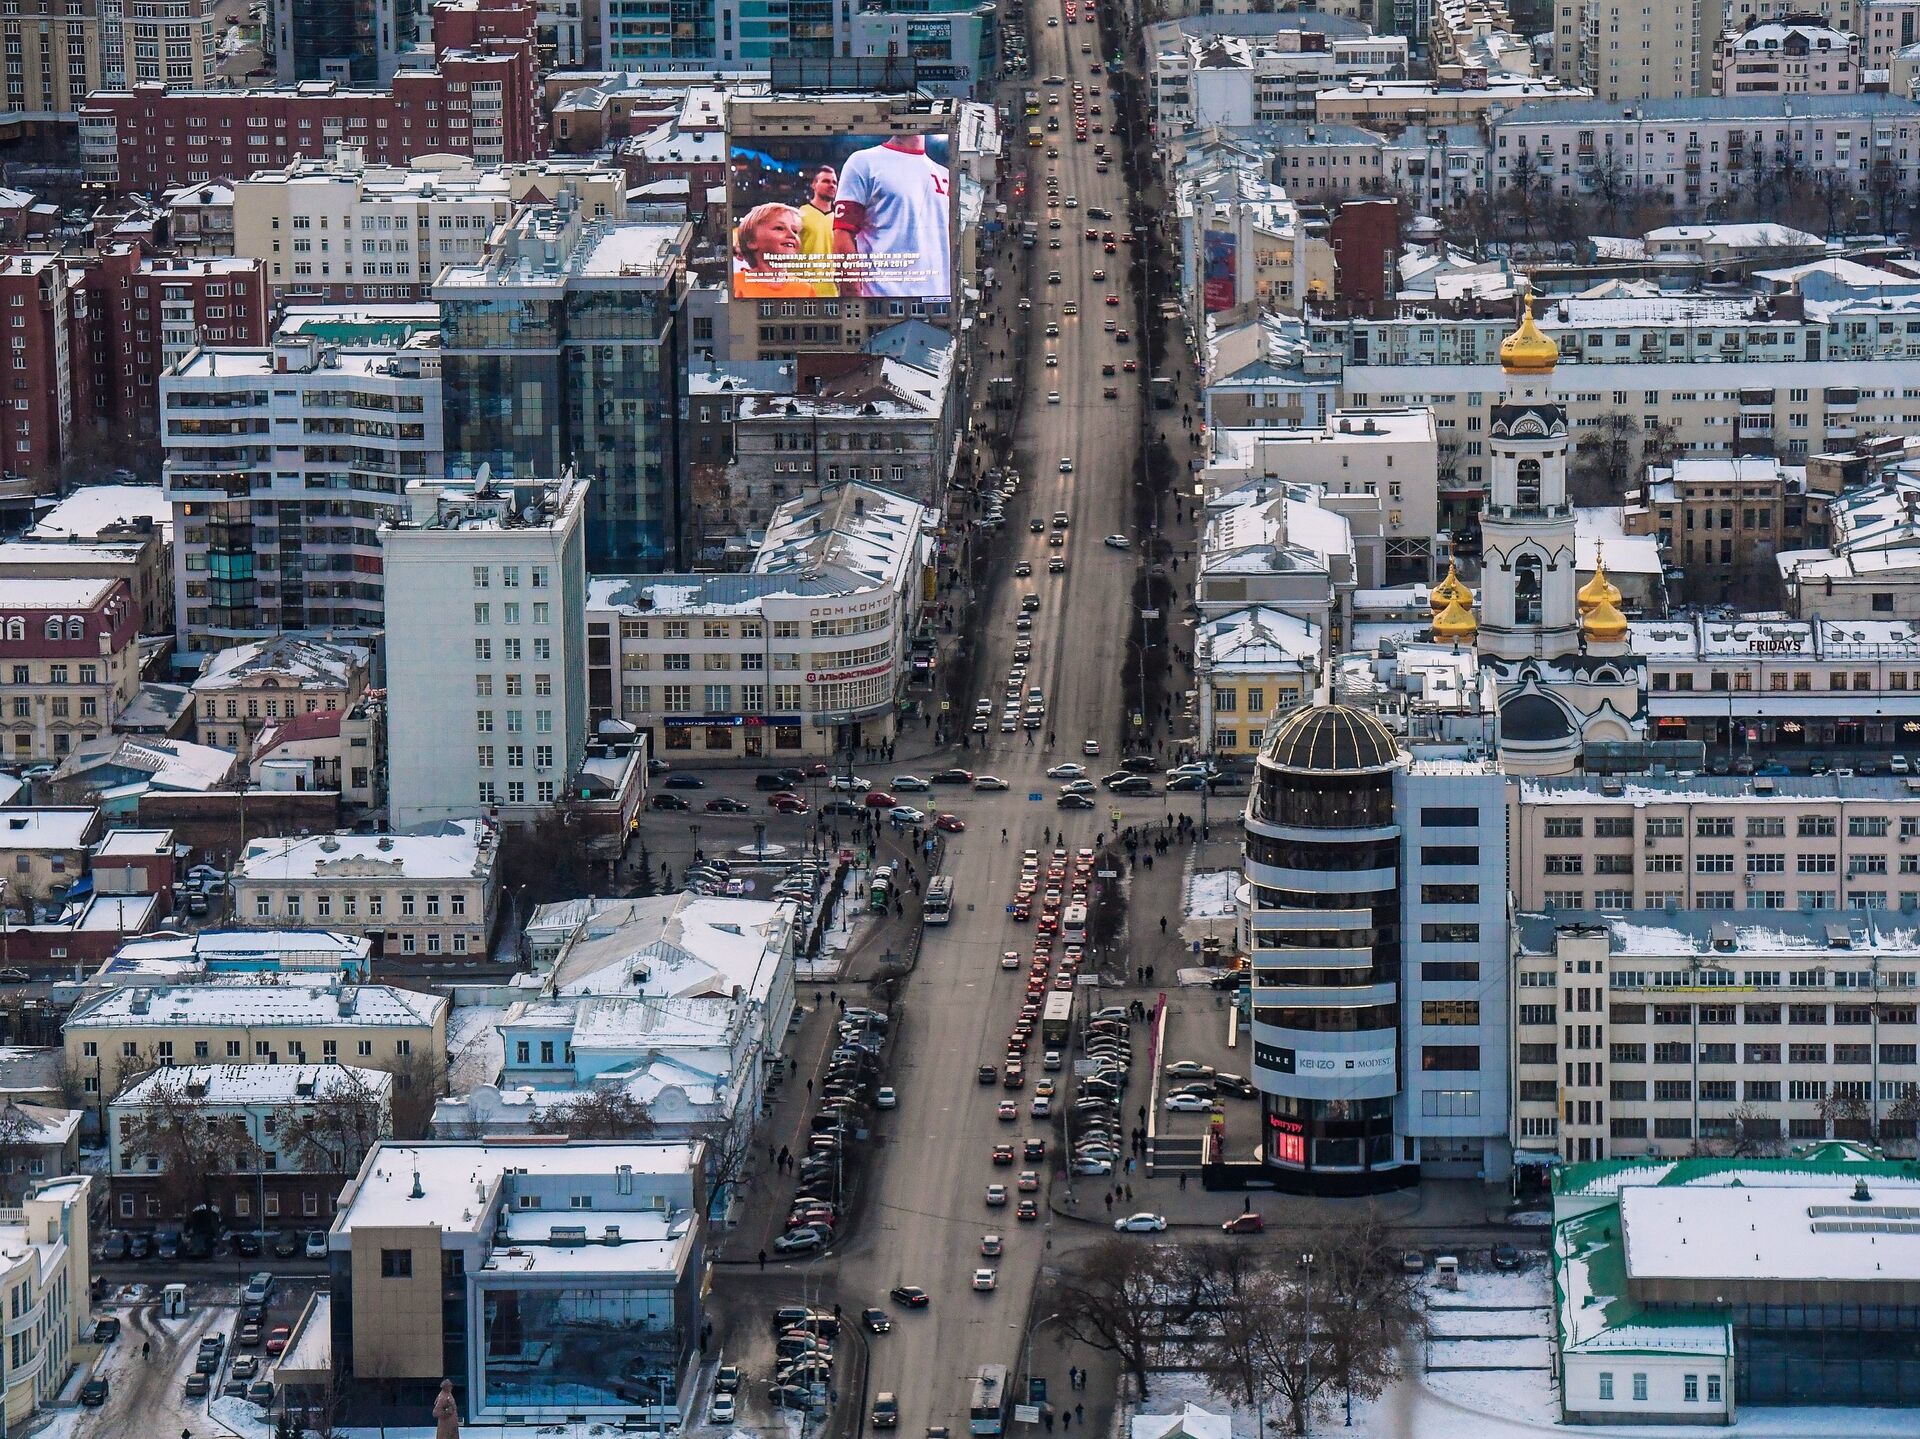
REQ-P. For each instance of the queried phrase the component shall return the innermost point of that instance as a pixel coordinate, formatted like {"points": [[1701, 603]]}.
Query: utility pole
{"points": [[1306, 1387]]}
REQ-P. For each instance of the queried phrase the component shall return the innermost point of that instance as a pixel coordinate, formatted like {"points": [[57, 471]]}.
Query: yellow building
{"points": [[44, 1270], [1250, 665], [113, 1038]]}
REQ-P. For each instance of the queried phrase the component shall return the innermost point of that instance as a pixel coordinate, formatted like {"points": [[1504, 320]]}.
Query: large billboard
{"points": [[841, 216], [1220, 281]]}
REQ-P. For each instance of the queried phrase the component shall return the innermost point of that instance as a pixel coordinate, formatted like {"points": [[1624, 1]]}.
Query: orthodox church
{"points": [[1552, 652]]}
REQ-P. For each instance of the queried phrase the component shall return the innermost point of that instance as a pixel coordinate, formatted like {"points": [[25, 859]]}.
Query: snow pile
{"points": [[1210, 895]]}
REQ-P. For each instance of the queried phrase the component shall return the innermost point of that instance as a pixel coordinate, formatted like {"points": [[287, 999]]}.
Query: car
{"points": [[1053, 277], [1028, 1182], [954, 776], [1117, 542], [996, 1195], [720, 1409], [684, 781], [886, 1410], [851, 783], [726, 804], [1142, 1223], [1066, 465], [668, 801], [879, 799], [950, 823], [800, 1241], [1188, 1069], [277, 1339], [1002, 1154], [911, 1295], [1249, 1222], [1080, 786], [94, 1393], [790, 1396], [987, 1074], [986, 1279], [246, 1366], [1007, 1110], [886, 1097], [1090, 748], [1074, 801], [1089, 1164], [907, 814], [878, 1321], [247, 1336], [259, 1288], [316, 1244], [1067, 771], [1506, 1256]]}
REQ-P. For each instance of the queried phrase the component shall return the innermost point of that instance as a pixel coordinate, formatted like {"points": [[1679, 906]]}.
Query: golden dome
{"points": [[1604, 623], [1598, 591], [1455, 622], [1449, 591], [1529, 350]]}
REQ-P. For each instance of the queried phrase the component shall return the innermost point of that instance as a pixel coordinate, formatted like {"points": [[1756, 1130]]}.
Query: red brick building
{"points": [[479, 100]]}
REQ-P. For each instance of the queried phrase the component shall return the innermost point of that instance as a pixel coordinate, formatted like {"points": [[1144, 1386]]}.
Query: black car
{"points": [[1141, 764], [988, 1074], [116, 1245], [911, 1295], [286, 1245], [167, 1248], [140, 1246], [1073, 801], [772, 782], [247, 1246], [107, 1330], [878, 1321], [94, 1393], [1505, 1256], [726, 804], [953, 776], [668, 801], [684, 781]]}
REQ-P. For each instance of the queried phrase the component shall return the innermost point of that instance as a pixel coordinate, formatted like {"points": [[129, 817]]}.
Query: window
{"points": [[1606, 1385], [1690, 1388], [396, 1264]]}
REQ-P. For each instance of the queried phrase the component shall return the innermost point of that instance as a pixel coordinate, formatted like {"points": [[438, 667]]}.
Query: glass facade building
{"points": [[561, 348]]}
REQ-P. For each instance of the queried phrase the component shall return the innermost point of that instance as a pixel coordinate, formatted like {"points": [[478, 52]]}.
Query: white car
{"points": [[986, 1279], [1053, 397], [910, 782], [853, 784], [989, 781], [907, 814], [886, 1098], [1141, 1224], [1118, 542], [1093, 1166], [1067, 771], [1042, 1106], [720, 1409], [1010, 960], [1090, 748], [1187, 1103], [1066, 465], [991, 1246]]}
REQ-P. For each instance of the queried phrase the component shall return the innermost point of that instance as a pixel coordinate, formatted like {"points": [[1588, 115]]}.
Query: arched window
{"points": [[53, 627], [1526, 590], [76, 628], [1528, 492], [16, 628]]}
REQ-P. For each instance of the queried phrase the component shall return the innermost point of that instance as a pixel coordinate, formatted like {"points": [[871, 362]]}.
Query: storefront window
{"points": [[719, 737], [573, 1349], [679, 737], [786, 736]]}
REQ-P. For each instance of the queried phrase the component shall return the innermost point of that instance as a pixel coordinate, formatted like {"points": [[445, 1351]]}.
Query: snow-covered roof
{"points": [[680, 945], [1839, 939], [457, 849], [227, 947], [1192, 1422], [89, 511], [64, 828], [323, 664], [22, 592], [280, 1002], [166, 764], [1806, 1233], [255, 1083], [1257, 639]]}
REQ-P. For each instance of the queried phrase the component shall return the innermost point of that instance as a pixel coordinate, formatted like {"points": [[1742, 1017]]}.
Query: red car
{"points": [[788, 804], [880, 799], [277, 1340], [1249, 1223], [951, 823]]}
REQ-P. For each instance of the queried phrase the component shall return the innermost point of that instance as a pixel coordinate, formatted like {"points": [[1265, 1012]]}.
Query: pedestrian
{"points": [[146, 1350], [1073, 1377], [1066, 1419], [1129, 1194], [809, 1087], [1163, 924], [763, 1259], [1183, 1181], [1047, 1419], [1080, 1412]]}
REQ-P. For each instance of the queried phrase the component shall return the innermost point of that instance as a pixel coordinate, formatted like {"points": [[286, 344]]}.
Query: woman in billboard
{"points": [[768, 230]]}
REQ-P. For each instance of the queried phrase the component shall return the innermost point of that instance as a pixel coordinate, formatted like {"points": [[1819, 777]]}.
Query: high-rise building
{"points": [[1627, 50], [486, 648], [53, 61], [562, 347], [357, 42], [1378, 941], [282, 463]]}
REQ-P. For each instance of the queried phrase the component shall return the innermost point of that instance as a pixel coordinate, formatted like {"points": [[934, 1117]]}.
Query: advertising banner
{"points": [[841, 217], [1222, 259]]}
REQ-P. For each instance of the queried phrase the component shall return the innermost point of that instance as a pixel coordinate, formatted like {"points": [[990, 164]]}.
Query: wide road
{"points": [[926, 1211]]}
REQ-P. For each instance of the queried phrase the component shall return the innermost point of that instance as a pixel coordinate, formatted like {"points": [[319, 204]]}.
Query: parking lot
{"points": [[1196, 1030]]}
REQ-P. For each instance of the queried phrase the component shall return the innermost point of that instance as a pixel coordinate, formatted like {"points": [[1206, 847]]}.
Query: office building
{"points": [[562, 348], [1668, 1033], [486, 648], [806, 654], [457, 1260], [283, 461], [1377, 935], [352, 41]]}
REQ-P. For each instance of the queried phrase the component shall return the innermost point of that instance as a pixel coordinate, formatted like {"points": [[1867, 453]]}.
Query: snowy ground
{"points": [[1210, 893], [475, 1052]]}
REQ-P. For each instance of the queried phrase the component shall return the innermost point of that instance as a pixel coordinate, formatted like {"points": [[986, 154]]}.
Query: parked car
{"points": [[94, 1393]]}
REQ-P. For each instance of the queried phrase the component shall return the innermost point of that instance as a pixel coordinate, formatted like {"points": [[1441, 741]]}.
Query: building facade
{"points": [[1788, 57], [246, 688], [486, 648], [47, 1272], [70, 649]]}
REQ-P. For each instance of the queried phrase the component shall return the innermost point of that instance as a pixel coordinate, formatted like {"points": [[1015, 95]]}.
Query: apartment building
{"points": [[1435, 167], [348, 407], [1694, 151], [1719, 519], [337, 229], [307, 1127], [1788, 57], [1249, 666], [44, 851], [432, 894], [1665, 1032], [246, 688], [1476, 39], [46, 1269], [54, 61], [1323, 161], [1866, 562], [561, 347], [805, 654], [177, 43], [1627, 50], [486, 647], [116, 1036], [1720, 843], [477, 100], [1201, 81], [1390, 106], [1262, 374], [71, 656]]}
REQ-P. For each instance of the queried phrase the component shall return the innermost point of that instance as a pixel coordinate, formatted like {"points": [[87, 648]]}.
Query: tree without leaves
{"points": [[419, 1080], [1371, 1303], [191, 1143], [1752, 1133], [1113, 1303], [599, 1113], [19, 1138], [1846, 1113], [1528, 184], [332, 1132]]}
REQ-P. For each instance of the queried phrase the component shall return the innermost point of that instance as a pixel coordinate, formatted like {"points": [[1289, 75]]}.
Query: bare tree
{"points": [[1610, 180], [1115, 1303], [1372, 1304], [19, 1139], [419, 1080], [1529, 182], [730, 1148], [189, 1145], [1751, 1133], [603, 1112], [1846, 1112], [332, 1132]]}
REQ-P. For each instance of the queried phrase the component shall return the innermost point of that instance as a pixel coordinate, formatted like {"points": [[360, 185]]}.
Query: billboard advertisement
{"points": [[841, 217], [1222, 258]]}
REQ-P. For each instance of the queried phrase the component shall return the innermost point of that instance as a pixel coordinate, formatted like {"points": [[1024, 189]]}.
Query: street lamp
{"points": [[1306, 1301]]}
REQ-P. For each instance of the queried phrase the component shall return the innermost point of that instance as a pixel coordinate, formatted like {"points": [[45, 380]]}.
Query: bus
{"points": [[1032, 99], [1073, 925], [1056, 1020], [880, 889], [1033, 135], [987, 1408], [939, 906]]}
